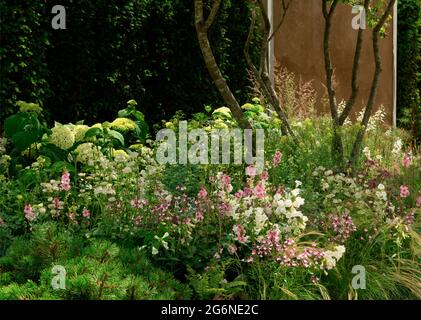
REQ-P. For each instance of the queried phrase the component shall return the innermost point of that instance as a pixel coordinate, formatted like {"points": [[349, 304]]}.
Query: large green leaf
{"points": [[23, 129], [118, 136]]}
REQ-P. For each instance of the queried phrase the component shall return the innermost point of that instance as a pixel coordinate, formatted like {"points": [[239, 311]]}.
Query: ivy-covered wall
{"points": [[113, 51], [409, 66]]}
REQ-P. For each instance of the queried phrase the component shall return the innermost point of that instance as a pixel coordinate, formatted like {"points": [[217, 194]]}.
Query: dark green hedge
{"points": [[24, 40], [409, 66], [113, 51]]}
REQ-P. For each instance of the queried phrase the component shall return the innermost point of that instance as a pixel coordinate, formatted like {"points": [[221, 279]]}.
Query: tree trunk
{"points": [[261, 75], [356, 149], [355, 69], [337, 146], [211, 64]]}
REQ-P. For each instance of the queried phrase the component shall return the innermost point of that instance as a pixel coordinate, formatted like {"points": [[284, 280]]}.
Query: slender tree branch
{"points": [[328, 64], [374, 84], [285, 8], [264, 46], [262, 78], [212, 14], [355, 70], [337, 145], [213, 68]]}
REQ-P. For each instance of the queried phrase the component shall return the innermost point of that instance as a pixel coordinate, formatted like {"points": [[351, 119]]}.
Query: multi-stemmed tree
{"points": [[378, 13], [261, 75]]}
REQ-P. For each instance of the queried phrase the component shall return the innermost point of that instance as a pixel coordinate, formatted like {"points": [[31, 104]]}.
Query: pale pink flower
{"points": [[247, 192], [259, 191], [264, 176], [239, 194], [406, 161], [136, 203], [65, 181], [137, 220], [404, 191], [418, 201], [1, 222], [240, 233], [225, 182], [250, 171], [202, 193], [86, 213], [277, 158], [29, 212], [199, 216], [232, 249], [72, 217]]}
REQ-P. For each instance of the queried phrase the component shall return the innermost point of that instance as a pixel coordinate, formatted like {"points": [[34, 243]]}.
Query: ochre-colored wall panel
{"points": [[299, 48]]}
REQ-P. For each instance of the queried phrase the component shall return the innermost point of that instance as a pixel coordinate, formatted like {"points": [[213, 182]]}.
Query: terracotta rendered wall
{"points": [[299, 48]]}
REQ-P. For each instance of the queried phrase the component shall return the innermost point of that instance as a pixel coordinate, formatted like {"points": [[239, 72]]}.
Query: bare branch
{"points": [[264, 46], [212, 14], [263, 80], [355, 70], [328, 64], [213, 67], [356, 149], [285, 8]]}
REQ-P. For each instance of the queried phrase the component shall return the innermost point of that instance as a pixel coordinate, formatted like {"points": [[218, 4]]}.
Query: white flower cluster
{"points": [[375, 120], [50, 187], [87, 153], [397, 147], [381, 193], [62, 137], [331, 257]]}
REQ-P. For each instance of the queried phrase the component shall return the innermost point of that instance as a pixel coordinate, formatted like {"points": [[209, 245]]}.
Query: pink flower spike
{"points": [[202, 193], [65, 181], [29, 212], [404, 191], [259, 191], [406, 161], [199, 216], [277, 158], [418, 204]]}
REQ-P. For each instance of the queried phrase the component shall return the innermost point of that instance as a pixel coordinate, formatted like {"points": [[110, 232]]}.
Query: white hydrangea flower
{"points": [[87, 153], [62, 137]]}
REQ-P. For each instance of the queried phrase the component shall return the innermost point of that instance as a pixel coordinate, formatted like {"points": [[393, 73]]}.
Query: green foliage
{"points": [[25, 39], [409, 70], [23, 129], [113, 51], [98, 271]]}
